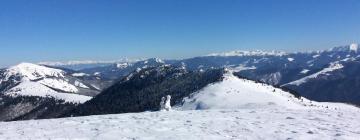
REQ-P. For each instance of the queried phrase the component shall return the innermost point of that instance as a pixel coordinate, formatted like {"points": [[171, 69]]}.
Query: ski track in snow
{"points": [[206, 124]]}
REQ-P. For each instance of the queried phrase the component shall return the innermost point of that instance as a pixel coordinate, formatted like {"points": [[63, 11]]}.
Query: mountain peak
{"points": [[33, 71], [354, 47], [249, 53], [348, 48]]}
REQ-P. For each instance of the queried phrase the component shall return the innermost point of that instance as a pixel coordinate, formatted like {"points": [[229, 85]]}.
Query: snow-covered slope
{"points": [[235, 93], [192, 125], [28, 79], [325, 71], [37, 89], [30, 71]]}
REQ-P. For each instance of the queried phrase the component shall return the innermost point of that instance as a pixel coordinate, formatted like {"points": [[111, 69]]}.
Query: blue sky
{"points": [[60, 30]]}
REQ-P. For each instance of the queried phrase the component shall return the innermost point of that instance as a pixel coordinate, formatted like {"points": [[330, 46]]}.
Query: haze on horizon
{"points": [[53, 30]]}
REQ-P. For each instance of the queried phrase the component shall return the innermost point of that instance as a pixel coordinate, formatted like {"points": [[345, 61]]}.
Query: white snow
{"points": [[354, 47], [167, 105], [97, 73], [96, 87], [325, 71], [158, 60], [79, 74], [304, 71], [273, 78], [235, 93], [241, 68], [59, 84], [79, 84], [249, 53], [29, 88], [235, 109], [290, 59], [193, 125], [42, 81], [349, 59], [316, 56], [33, 72], [122, 65]]}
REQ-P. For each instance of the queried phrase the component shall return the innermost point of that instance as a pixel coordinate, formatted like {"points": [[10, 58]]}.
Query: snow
{"points": [[242, 68], [354, 47], [183, 66], [273, 78], [325, 71], [290, 59], [233, 108], [316, 56], [79, 84], [59, 84], [158, 60], [249, 53], [42, 81], [79, 74], [235, 93], [29, 88], [348, 59], [122, 65], [96, 87], [180, 125], [304, 71], [33, 72]]}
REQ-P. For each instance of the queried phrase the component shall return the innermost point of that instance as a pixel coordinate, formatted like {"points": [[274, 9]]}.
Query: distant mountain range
{"points": [[70, 89], [78, 65], [275, 68]]}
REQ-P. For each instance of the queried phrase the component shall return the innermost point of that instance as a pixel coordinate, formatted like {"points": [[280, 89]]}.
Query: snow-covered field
{"points": [[205, 124]]}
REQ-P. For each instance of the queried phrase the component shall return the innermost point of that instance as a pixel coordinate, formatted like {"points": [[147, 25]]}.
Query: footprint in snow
{"points": [[290, 118], [310, 132]]}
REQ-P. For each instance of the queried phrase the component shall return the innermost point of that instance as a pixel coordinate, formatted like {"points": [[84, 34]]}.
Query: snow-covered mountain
{"points": [[272, 67], [207, 89], [337, 82], [279, 68], [236, 93], [121, 69], [249, 53], [28, 79], [327, 76], [233, 92], [30, 90], [226, 108], [142, 90]]}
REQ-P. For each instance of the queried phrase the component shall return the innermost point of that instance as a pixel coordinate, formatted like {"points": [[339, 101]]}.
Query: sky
{"points": [[61, 30]]}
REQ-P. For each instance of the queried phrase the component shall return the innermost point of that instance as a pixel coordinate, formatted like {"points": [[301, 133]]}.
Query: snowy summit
{"points": [[35, 80]]}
